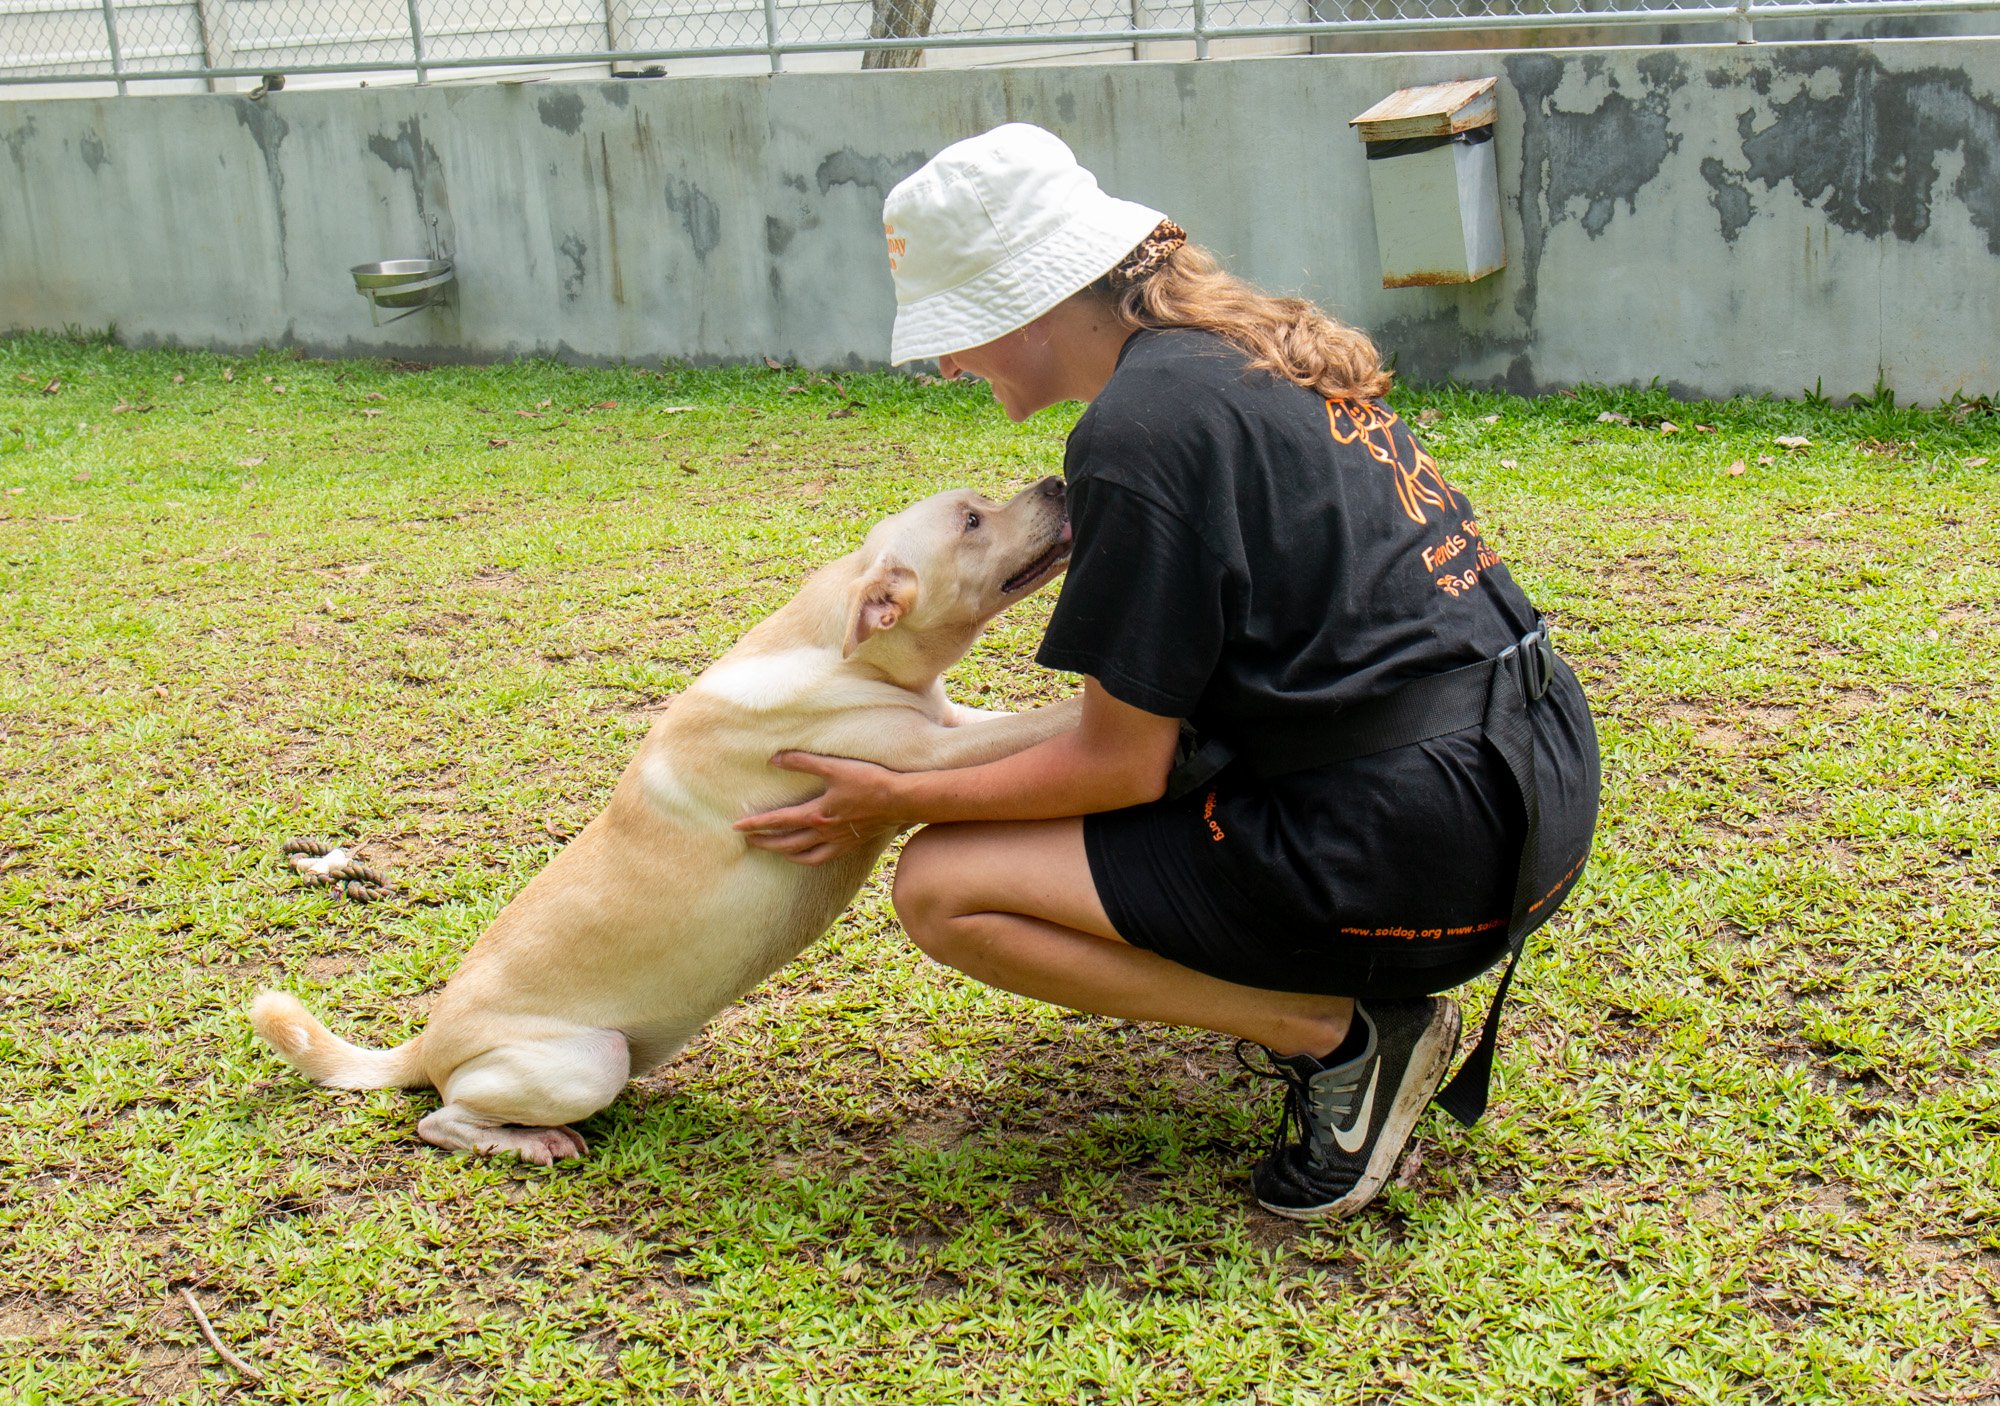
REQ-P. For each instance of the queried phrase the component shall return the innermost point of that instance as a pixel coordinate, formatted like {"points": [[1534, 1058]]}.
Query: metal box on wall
{"points": [[1435, 183]]}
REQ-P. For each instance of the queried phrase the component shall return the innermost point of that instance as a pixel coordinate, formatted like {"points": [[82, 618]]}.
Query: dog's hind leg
{"points": [[518, 1097]]}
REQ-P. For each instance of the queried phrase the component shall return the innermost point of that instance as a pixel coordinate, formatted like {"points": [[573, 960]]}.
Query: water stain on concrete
{"points": [[778, 235], [1729, 196], [1604, 156], [1594, 158], [411, 153], [268, 131], [1446, 342], [18, 139], [1867, 155], [563, 112], [403, 152], [92, 147], [611, 220], [699, 215], [878, 173], [573, 249]]}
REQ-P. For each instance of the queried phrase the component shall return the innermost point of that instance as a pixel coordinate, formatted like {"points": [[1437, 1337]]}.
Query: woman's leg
{"points": [[1012, 904]]}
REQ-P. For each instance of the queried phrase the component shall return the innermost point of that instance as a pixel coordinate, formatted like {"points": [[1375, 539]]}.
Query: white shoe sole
{"points": [[1428, 1062]]}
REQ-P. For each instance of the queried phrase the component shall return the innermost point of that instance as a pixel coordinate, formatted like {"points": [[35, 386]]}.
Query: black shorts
{"points": [[1387, 876]]}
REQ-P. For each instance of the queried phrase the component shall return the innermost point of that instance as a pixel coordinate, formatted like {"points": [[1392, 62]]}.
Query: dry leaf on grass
{"points": [[498, 443], [1736, 469], [228, 373], [1978, 463], [248, 463], [1793, 441], [1612, 417], [1509, 464]]}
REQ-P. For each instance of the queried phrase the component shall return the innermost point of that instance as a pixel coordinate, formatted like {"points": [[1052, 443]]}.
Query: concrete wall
{"points": [[1725, 219]]}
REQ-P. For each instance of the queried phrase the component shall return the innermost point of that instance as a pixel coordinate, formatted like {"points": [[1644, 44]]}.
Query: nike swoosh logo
{"points": [[1351, 1140]]}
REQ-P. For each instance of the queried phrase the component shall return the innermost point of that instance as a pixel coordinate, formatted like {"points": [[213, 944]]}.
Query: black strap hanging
{"points": [[1513, 737]]}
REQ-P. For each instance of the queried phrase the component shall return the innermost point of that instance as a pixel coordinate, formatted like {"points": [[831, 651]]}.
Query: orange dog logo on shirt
{"points": [[1420, 488], [1419, 485]]}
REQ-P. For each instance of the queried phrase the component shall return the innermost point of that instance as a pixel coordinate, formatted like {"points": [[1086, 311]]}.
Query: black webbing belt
{"points": [[1493, 694]]}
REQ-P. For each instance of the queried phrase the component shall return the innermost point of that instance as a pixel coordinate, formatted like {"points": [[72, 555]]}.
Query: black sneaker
{"points": [[1353, 1118]]}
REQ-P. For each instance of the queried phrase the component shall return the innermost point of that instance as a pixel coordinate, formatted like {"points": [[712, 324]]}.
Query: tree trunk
{"points": [[898, 19]]}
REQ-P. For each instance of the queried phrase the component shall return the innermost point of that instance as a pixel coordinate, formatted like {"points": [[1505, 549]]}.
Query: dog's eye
{"points": [[971, 521]]}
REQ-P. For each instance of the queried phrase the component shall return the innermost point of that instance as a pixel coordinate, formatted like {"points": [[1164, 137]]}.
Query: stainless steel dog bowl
{"points": [[409, 284]]}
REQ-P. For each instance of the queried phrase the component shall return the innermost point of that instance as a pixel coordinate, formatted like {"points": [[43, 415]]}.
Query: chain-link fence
{"points": [[155, 45]]}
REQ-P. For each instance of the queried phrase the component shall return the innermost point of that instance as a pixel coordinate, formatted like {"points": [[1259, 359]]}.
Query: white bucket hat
{"points": [[994, 231]]}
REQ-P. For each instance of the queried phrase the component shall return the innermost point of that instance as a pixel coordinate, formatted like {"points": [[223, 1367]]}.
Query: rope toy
{"points": [[322, 863]]}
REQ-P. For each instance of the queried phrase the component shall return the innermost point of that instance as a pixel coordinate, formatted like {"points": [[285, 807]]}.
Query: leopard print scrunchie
{"points": [[1151, 253]]}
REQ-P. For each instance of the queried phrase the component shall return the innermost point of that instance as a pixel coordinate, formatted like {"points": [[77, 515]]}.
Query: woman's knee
{"points": [[923, 892], [933, 889]]}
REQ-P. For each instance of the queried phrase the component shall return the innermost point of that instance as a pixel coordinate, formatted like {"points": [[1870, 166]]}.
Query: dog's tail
{"points": [[322, 1056]]}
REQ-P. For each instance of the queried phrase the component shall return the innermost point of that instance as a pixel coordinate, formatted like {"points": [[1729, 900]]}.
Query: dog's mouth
{"points": [[1042, 567]]}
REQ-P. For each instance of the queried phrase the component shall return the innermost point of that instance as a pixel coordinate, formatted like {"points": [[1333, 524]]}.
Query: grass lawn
{"points": [[1743, 1144]]}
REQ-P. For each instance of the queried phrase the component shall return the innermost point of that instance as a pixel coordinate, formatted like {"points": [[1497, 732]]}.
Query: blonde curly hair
{"points": [[1289, 337]]}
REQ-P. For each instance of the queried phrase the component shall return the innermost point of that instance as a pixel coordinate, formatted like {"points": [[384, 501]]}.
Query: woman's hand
{"points": [[857, 808]]}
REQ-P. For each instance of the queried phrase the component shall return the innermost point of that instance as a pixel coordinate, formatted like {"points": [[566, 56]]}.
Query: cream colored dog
{"points": [[659, 914]]}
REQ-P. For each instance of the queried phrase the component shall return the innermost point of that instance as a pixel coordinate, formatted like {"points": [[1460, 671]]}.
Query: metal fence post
{"points": [[212, 20], [417, 40], [111, 33], [771, 36], [1746, 33], [1200, 29]]}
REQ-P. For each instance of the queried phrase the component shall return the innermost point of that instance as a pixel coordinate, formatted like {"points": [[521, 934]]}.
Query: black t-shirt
{"points": [[1247, 551]]}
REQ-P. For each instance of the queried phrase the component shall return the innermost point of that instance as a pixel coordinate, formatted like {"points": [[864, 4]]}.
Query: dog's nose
{"points": [[1051, 488]]}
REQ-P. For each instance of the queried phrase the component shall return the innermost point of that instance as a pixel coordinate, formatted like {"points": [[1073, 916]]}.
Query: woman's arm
{"points": [[1117, 756]]}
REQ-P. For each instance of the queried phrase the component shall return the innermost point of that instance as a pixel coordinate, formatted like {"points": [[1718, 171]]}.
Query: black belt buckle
{"points": [[1538, 664]]}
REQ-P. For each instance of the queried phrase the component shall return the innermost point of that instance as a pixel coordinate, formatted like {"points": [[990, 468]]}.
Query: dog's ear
{"points": [[882, 596]]}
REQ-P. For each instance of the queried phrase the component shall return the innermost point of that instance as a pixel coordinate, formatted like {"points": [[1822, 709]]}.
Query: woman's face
{"points": [[1019, 367]]}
